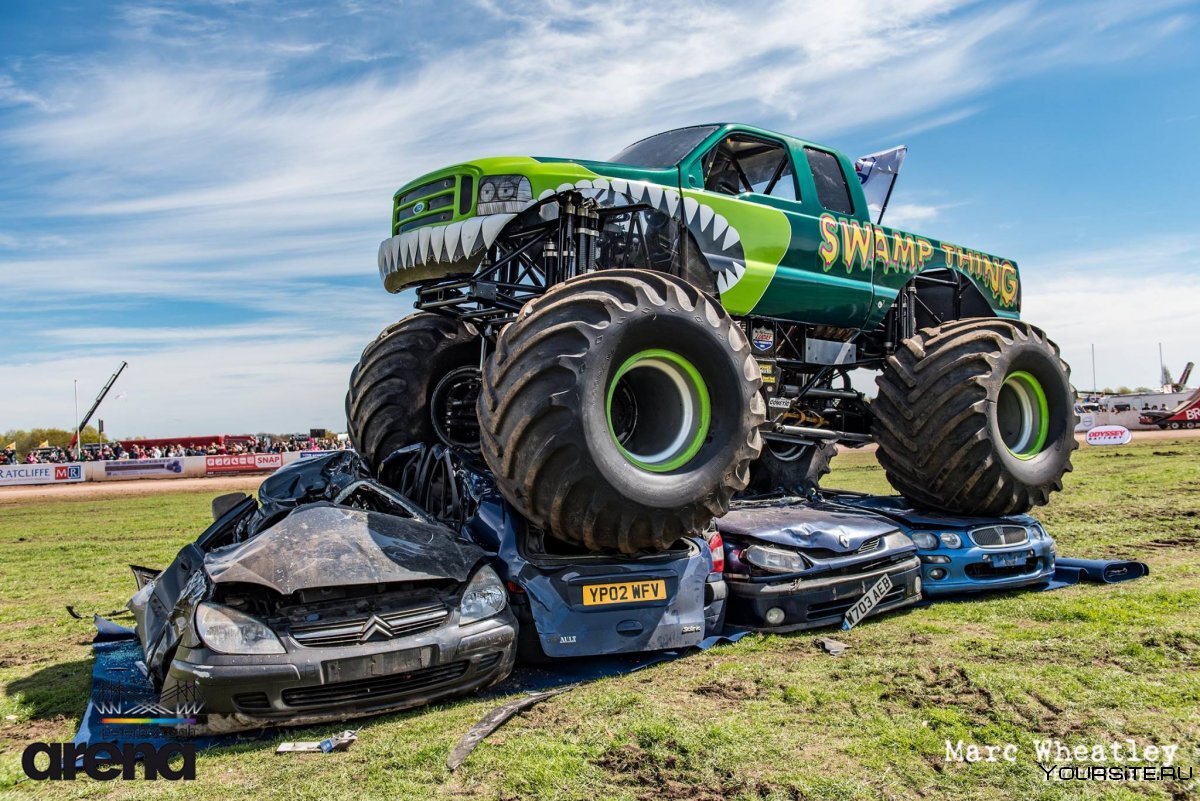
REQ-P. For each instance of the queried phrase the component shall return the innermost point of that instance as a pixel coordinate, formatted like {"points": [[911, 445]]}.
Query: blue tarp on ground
{"points": [[117, 679]]}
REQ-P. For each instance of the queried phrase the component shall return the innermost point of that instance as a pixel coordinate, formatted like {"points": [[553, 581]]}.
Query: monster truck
{"points": [[629, 343]]}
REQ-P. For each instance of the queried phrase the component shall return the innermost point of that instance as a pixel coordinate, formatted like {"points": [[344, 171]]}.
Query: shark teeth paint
{"points": [[459, 242]]}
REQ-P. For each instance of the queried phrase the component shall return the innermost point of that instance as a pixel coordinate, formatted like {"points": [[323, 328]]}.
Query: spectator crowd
{"points": [[114, 451]]}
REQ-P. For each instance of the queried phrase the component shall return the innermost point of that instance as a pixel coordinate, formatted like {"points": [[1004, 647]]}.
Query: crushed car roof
{"points": [[795, 523], [323, 545]]}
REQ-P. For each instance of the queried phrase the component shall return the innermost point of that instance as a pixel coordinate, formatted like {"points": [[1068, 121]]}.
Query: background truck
{"points": [[629, 343]]}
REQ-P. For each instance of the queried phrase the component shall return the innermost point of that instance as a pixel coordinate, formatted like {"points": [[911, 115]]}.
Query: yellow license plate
{"points": [[624, 592]]}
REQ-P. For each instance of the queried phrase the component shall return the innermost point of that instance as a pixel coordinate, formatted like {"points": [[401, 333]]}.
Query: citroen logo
{"points": [[375, 627]]}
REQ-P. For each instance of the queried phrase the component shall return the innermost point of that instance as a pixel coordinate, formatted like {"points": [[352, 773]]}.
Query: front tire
{"points": [[621, 411], [388, 403], [976, 417], [789, 467]]}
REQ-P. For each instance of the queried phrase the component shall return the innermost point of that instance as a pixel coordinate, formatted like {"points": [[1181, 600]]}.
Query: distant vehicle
{"points": [[964, 554], [1185, 415]]}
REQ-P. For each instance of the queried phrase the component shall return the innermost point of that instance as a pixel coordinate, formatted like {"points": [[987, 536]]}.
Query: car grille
{"points": [[374, 689], [252, 702], [366, 628], [842, 605], [872, 544], [999, 536], [983, 570]]}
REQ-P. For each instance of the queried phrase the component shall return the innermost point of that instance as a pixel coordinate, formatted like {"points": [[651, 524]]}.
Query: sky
{"points": [[200, 188]]}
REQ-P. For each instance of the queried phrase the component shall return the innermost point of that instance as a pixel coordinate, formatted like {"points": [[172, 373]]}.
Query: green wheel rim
{"points": [[1024, 415], [688, 428]]}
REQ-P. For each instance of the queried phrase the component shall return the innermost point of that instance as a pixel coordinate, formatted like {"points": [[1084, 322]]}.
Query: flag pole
{"points": [[78, 442]]}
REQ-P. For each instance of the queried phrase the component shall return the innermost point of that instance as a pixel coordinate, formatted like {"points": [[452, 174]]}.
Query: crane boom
{"points": [[83, 423]]}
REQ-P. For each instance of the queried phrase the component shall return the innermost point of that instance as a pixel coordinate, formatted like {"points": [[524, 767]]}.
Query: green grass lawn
{"points": [[769, 717]]}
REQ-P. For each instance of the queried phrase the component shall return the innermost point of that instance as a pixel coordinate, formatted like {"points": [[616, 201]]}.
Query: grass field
{"points": [[769, 717]]}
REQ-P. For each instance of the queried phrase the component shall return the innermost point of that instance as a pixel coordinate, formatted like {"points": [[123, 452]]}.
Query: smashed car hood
{"points": [[897, 507], [803, 526], [324, 546]]}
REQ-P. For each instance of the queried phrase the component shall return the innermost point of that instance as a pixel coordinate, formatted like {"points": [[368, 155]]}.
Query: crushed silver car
{"points": [[334, 598]]}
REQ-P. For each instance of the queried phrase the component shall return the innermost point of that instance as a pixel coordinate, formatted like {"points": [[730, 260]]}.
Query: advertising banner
{"points": [[15, 474], [1109, 435], [242, 463], [143, 467]]}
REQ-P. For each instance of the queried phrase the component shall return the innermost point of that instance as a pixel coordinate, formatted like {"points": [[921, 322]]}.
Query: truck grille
{"points": [[439, 201], [378, 688], [367, 628], [999, 536]]}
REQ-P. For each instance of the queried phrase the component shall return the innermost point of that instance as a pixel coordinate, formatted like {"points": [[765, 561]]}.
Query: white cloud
{"points": [[1123, 299], [193, 163]]}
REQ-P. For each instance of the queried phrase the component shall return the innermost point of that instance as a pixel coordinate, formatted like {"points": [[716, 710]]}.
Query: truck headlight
{"points": [[950, 539], [228, 631], [503, 193], [775, 560], [924, 540], [484, 596]]}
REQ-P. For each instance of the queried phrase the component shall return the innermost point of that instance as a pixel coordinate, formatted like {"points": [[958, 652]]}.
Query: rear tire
{"points": [[794, 469], [387, 405], [620, 411], [976, 417]]}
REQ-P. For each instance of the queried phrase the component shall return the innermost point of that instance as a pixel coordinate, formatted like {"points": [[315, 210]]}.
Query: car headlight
{"points": [[950, 539], [503, 193], [1037, 533], [228, 631], [924, 540], [484, 596], [775, 560]]}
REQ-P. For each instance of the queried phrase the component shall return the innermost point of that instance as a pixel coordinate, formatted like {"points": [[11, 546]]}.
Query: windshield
{"points": [[664, 149]]}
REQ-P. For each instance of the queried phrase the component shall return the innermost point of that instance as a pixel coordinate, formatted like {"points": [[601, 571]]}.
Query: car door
{"points": [[786, 278]]}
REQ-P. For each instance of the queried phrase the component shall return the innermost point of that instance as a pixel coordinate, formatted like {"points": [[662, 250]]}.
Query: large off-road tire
{"points": [[976, 417], [620, 410], [792, 468], [387, 405]]}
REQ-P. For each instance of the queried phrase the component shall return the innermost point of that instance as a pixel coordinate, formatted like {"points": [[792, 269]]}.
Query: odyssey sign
{"points": [[1109, 435]]}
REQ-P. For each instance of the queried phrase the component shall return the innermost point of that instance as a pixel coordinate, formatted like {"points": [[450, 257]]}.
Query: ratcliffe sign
{"points": [[13, 474]]}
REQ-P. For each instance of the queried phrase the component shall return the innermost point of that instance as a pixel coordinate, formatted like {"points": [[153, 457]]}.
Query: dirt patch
{"points": [[940, 685], [149, 486], [733, 688]]}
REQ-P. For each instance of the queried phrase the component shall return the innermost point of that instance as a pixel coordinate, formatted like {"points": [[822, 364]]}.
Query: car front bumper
{"points": [[816, 602], [973, 570], [316, 685]]}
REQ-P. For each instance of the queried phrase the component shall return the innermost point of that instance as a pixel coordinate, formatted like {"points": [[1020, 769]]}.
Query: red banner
{"points": [[242, 463]]}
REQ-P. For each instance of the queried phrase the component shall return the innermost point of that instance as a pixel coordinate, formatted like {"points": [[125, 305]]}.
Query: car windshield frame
{"points": [[653, 152]]}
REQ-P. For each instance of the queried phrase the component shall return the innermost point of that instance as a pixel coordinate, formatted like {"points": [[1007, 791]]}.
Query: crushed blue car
{"points": [[794, 563], [965, 554], [569, 602]]}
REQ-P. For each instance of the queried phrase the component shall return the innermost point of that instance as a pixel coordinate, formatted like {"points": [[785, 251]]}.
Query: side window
{"points": [[832, 191], [746, 164]]}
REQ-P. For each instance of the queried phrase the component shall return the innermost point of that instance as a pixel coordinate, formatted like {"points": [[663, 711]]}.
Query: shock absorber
{"points": [[587, 231]]}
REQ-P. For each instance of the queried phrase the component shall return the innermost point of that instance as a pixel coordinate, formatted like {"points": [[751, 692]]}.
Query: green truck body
{"points": [[789, 255]]}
